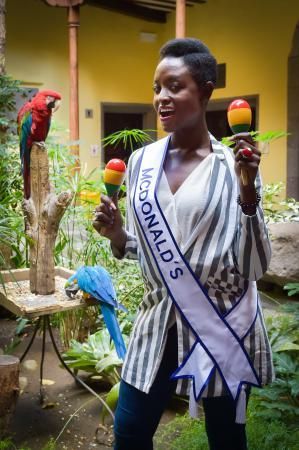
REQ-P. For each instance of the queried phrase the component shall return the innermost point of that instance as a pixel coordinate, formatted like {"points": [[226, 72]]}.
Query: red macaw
{"points": [[34, 119]]}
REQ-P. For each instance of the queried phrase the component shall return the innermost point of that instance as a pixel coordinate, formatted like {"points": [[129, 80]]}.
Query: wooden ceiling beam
{"points": [[64, 3], [159, 8], [130, 9], [156, 5], [168, 3], [160, 4]]}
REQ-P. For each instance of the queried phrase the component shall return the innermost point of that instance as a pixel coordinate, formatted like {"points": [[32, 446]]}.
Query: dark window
{"points": [[221, 76], [117, 122]]}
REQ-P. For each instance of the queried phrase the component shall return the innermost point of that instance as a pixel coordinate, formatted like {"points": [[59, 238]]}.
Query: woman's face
{"points": [[177, 97]]}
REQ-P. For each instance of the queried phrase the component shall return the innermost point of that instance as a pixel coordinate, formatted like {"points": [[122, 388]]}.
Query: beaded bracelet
{"points": [[249, 204]]}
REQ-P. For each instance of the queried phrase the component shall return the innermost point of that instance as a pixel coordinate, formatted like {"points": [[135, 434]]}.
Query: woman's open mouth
{"points": [[166, 114]]}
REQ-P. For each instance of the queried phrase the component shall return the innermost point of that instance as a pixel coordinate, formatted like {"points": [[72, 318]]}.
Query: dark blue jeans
{"points": [[138, 414]]}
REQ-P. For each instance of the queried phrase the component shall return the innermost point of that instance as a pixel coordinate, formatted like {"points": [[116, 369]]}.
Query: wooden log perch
{"points": [[43, 212], [9, 390]]}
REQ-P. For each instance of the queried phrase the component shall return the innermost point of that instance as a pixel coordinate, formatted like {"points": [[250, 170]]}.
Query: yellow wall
{"points": [[252, 37], [114, 65]]}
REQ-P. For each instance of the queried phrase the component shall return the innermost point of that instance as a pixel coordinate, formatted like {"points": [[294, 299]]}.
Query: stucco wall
{"points": [[114, 65], [253, 38]]}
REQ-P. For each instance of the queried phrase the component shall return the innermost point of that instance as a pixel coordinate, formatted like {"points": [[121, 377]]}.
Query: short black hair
{"points": [[196, 56]]}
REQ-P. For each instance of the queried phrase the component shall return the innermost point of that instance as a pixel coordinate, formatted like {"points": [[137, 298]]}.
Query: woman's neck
{"points": [[191, 139]]}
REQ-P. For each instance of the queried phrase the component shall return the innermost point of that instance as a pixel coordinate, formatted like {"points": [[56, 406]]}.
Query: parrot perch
{"points": [[96, 283], [34, 119]]}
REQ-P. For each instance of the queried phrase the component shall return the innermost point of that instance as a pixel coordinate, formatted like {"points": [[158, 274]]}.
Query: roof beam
{"points": [[130, 9], [156, 6]]}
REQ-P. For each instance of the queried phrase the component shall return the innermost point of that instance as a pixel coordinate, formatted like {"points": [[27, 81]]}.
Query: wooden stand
{"points": [[9, 390], [18, 300], [43, 212]]}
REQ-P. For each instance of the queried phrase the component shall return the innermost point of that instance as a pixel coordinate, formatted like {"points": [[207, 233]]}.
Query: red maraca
{"points": [[239, 117], [114, 175]]}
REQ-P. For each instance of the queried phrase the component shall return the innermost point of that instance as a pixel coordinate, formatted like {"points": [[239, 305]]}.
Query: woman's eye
{"points": [[174, 87], [156, 89]]}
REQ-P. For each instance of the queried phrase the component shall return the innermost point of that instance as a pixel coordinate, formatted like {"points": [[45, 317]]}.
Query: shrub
{"points": [[184, 433]]}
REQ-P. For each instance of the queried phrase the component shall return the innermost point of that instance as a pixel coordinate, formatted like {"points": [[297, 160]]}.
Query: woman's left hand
{"points": [[247, 156]]}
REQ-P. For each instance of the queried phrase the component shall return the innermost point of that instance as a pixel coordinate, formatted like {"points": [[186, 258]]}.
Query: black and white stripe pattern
{"points": [[225, 250]]}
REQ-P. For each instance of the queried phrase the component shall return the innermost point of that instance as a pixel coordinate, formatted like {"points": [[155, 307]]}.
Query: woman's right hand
{"points": [[108, 221]]}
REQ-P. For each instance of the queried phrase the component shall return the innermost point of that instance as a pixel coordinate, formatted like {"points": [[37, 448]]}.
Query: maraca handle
{"points": [[244, 177]]}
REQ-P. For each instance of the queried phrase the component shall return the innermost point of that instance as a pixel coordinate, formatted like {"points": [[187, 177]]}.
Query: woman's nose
{"points": [[164, 94]]}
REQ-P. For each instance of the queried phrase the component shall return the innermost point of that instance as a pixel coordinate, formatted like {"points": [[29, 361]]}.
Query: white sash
{"points": [[218, 338]]}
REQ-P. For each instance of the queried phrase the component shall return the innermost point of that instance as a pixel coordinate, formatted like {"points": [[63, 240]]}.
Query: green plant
{"points": [[16, 340], [10, 186], [283, 329], [97, 355], [184, 433], [280, 399], [8, 88], [8, 444], [262, 139], [129, 139], [51, 445], [292, 288], [111, 399], [75, 238], [12, 240], [277, 210], [78, 244], [76, 324]]}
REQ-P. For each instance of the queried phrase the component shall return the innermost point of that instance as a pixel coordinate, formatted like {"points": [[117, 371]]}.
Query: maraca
{"points": [[239, 118], [114, 175]]}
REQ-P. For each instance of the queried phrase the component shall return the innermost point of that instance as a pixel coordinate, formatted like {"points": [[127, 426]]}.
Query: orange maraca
{"points": [[239, 118], [114, 175]]}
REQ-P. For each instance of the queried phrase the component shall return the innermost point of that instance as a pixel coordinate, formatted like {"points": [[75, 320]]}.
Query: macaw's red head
{"points": [[47, 99]]}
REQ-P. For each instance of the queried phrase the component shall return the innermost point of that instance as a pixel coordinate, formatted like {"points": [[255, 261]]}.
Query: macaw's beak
{"points": [[57, 104], [52, 103], [71, 291]]}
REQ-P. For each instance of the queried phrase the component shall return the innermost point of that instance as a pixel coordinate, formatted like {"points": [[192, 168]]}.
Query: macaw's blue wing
{"points": [[113, 328], [97, 282]]}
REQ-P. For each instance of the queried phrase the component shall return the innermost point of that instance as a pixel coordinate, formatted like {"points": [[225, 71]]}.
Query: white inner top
{"points": [[183, 209]]}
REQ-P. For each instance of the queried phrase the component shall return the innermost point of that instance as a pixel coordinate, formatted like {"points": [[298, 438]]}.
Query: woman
{"points": [[199, 235]]}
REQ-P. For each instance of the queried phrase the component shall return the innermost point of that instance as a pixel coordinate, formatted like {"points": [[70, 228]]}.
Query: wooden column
{"points": [[74, 23], [2, 36], [180, 27], [293, 119]]}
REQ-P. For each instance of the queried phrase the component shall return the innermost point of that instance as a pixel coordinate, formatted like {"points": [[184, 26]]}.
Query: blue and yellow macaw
{"points": [[96, 282]]}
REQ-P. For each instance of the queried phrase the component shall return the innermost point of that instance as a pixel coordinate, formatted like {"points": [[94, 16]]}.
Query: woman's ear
{"points": [[208, 89], [205, 91]]}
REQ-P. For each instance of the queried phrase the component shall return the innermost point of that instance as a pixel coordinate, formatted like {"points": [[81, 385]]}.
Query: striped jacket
{"points": [[228, 251]]}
